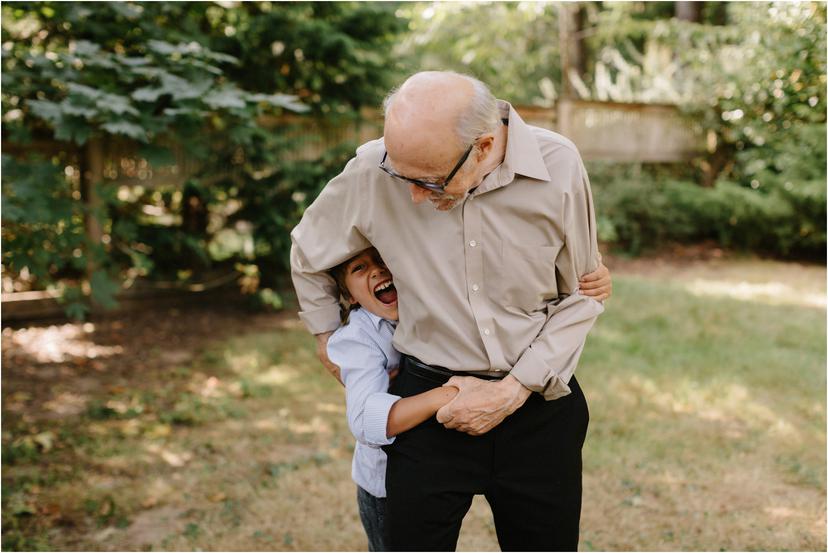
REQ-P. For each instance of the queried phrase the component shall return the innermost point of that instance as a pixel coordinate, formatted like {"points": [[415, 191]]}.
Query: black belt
{"points": [[439, 374]]}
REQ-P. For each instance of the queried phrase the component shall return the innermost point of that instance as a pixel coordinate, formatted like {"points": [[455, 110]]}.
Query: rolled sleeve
{"points": [[363, 369], [375, 418], [327, 235], [321, 319], [548, 364]]}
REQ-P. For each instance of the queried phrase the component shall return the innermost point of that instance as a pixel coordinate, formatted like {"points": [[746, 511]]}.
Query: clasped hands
{"points": [[481, 404]]}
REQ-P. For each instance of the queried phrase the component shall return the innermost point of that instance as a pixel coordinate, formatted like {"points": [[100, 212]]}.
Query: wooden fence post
{"points": [[92, 173]]}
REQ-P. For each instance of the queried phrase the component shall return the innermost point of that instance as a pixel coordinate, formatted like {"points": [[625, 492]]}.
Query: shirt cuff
{"points": [[375, 418], [322, 319], [531, 371]]}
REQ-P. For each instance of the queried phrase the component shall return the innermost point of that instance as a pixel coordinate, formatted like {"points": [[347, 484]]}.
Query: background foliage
{"points": [[212, 83], [197, 76]]}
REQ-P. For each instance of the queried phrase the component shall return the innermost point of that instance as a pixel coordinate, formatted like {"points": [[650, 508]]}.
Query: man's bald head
{"points": [[433, 116]]}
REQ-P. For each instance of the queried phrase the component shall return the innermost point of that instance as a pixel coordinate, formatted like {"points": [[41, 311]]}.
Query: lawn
{"points": [[216, 429]]}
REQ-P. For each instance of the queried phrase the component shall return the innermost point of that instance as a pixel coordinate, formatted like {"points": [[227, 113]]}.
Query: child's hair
{"points": [[345, 305], [338, 273]]}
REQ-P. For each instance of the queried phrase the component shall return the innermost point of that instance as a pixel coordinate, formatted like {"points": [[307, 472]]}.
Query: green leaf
{"points": [[84, 91], [86, 48], [117, 104], [104, 289], [147, 94], [226, 97], [287, 101], [162, 47], [126, 128], [182, 89], [133, 62], [225, 58], [172, 112], [73, 129], [48, 111], [81, 111], [76, 310]]}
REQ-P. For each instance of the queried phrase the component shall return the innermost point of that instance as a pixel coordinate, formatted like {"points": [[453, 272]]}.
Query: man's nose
{"points": [[418, 195]]}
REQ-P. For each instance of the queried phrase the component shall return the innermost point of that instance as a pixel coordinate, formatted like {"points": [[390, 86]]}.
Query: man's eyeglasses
{"points": [[433, 186]]}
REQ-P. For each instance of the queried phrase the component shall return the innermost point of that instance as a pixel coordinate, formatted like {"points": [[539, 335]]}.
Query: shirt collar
{"points": [[523, 155], [376, 320]]}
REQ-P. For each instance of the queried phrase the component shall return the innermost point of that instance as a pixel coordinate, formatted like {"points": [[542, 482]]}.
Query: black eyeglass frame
{"points": [[432, 186]]}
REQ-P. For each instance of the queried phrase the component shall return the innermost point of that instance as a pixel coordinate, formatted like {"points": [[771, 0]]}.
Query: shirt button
{"points": [[475, 287], [472, 243], [486, 331]]}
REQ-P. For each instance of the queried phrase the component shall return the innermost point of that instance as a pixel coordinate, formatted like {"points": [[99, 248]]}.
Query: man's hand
{"points": [[322, 353], [481, 404], [597, 284]]}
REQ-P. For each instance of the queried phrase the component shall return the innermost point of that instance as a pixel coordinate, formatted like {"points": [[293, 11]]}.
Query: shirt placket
{"points": [[474, 242]]}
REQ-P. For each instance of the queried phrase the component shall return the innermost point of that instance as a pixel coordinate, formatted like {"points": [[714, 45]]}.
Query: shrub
{"points": [[780, 219]]}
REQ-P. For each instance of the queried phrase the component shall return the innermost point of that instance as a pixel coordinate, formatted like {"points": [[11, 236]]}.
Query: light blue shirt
{"points": [[364, 353]]}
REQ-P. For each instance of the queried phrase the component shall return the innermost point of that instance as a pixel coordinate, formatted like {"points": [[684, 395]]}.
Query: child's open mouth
{"points": [[386, 292]]}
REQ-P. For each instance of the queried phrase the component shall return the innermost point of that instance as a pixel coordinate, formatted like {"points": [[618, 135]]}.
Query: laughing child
{"points": [[362, 349]]}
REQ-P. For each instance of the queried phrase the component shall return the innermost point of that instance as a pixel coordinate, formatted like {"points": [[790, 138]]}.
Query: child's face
{"points": [[371, 285]]}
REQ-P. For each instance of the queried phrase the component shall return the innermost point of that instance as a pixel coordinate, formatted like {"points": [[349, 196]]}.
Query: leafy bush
{"points": [[644, 213], [205, 77]]}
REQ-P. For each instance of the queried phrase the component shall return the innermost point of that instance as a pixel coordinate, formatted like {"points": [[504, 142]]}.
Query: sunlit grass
{"points": [[703, 405]]}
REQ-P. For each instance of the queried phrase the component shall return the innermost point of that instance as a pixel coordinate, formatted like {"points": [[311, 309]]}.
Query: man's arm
{"points": [[322, 353], [326, 236], [549, 362]]}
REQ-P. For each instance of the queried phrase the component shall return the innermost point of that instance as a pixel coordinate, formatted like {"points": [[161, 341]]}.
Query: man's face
{"points": [[464, 179], [371, 285]]}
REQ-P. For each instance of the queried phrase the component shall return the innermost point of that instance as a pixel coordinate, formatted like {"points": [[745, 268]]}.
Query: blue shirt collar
{"points": [[377, 320]]}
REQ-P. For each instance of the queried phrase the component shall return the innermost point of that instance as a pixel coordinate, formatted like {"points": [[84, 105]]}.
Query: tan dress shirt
{"points": [[491, 285]]}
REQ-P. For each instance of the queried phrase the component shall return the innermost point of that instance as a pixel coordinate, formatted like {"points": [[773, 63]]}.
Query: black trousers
{"points": [[528, 468]]}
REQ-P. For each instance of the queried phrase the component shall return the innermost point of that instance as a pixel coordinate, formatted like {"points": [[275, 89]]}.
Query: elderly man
{"points": [[489, 301]]}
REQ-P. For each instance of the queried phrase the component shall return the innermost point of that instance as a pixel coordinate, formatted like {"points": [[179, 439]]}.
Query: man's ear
{"points": [[485, 143]]}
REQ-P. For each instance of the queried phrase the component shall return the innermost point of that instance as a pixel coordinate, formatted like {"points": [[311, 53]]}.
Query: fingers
{"points": [[444, 415], [459, 382], [596, 275], [593, 284]]}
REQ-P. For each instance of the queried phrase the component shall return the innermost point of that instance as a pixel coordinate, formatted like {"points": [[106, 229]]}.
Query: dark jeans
{"points": [[528, 468], [372, 514]]}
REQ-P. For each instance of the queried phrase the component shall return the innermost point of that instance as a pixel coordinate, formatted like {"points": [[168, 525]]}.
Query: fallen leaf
{"points": [[45, 440], [216, 497]]}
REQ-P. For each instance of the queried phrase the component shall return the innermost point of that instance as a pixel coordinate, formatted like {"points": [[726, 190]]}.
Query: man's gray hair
{"points": [[480, 117]]}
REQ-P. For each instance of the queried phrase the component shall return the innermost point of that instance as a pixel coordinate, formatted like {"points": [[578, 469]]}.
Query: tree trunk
{"points": [[689, 11], [92, 170], [571, 44]]}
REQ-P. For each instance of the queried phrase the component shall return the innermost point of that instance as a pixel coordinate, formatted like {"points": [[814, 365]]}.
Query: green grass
{"points": [[707, 421]]}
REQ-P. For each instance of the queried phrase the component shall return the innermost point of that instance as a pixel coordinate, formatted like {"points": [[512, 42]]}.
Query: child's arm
{"points": [[367, 400], [408, 412]]}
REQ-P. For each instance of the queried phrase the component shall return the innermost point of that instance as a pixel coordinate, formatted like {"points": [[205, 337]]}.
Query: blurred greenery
{"points": [[205, 89], [199, 76]]}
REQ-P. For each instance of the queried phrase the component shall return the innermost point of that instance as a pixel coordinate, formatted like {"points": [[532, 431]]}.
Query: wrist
{"points": [[443, 395], [515, 391]]}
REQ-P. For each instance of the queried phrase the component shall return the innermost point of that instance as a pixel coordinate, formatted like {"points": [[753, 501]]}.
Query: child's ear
{"points": [[352, 301]]}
